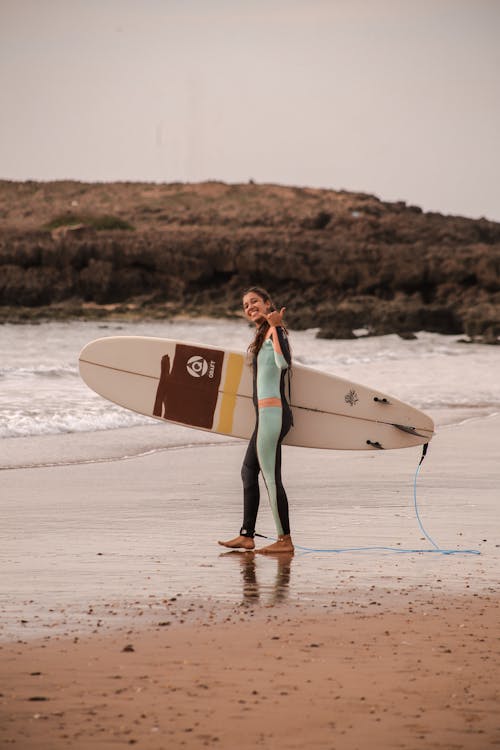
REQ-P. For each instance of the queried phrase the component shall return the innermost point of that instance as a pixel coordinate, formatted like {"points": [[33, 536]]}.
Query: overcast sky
{"points": [[400, 98]]}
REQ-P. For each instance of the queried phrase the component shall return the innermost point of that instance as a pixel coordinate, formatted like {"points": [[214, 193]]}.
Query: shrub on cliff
{"points": [[99, 222], [320, 221]]}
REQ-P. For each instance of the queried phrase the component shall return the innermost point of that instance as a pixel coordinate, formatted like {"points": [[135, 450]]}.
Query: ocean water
{"points": [[81, 543], [42, 394]]}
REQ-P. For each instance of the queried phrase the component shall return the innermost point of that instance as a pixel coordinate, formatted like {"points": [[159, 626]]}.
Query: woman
{"points": [[270, 360]]}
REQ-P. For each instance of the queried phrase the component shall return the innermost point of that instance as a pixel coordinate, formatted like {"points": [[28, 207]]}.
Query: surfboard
{"points": [[209, 388]]}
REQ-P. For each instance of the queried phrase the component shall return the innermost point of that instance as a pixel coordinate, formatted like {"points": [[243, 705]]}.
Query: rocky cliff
{"points": [[338, 261]]}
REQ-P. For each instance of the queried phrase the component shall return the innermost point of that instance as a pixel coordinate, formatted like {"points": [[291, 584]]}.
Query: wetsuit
{"points": [[264, 449]]}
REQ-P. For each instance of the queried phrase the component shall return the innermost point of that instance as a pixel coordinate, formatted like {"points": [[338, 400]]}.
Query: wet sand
{"points": [[327, 649], [424, 676]]}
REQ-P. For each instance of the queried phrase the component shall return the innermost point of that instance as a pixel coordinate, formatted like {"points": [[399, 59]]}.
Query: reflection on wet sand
{"points": [[252, 590]]}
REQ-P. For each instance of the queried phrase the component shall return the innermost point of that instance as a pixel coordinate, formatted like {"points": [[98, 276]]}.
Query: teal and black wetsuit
{"points": [[264, 449]]}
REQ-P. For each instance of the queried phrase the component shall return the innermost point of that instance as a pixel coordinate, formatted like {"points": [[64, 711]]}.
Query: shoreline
{"points": [[100, 446], [132, 312], [118, 312]]}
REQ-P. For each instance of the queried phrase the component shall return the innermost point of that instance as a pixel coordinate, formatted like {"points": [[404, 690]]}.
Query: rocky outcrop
{"points": [[338, 261]]}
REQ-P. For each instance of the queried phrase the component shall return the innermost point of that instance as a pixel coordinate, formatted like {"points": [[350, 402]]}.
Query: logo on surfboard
{"points": [[197, 366], [352, 397]]}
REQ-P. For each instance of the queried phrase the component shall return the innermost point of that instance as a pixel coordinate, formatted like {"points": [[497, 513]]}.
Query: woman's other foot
{"points": [[240, 542], [283, 544]]}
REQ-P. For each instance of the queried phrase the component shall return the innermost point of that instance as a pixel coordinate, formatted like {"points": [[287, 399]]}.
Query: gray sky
{"points": [[400, 98]]}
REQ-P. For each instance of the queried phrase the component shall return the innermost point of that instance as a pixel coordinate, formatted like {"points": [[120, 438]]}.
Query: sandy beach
{"points": [[124, 624], [161, 163]]}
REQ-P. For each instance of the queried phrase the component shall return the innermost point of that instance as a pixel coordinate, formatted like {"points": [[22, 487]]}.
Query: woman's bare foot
{"points": [[241, 542], [284, 544]]}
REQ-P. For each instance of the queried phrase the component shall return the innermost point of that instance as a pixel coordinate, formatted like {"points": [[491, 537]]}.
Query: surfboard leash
{"points": [[436, 548]]}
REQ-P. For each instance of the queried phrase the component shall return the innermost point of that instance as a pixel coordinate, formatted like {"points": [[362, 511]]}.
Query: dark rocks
{"points": [[403, 315], [32, 286], [482, 322], [339, 261], [319, 221]]}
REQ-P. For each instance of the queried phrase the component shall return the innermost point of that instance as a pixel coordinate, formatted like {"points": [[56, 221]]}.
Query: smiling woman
{"points": [[271, 359]]}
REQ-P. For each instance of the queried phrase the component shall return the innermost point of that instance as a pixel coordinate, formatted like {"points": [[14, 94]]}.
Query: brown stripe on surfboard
{"points": [[189, 386]]}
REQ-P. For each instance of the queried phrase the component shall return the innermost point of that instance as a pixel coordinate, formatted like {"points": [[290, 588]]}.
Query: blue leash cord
{"points": [[436, 547]]}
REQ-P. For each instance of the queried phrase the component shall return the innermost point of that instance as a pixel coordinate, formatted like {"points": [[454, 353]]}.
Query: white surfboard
{"points": [[211, 389]]}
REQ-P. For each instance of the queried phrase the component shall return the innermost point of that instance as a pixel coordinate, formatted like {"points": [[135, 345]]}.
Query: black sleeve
{"points": [[284, 345]]}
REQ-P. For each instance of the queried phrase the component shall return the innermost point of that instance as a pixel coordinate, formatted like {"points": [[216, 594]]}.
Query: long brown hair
{"points": [[263, 328]]}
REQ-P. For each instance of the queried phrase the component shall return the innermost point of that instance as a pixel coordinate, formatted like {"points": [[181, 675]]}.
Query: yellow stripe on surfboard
{"points": [[234, 370]]}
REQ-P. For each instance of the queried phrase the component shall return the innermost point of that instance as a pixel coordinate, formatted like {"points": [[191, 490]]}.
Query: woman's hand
{"points": [[275, 318]]}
